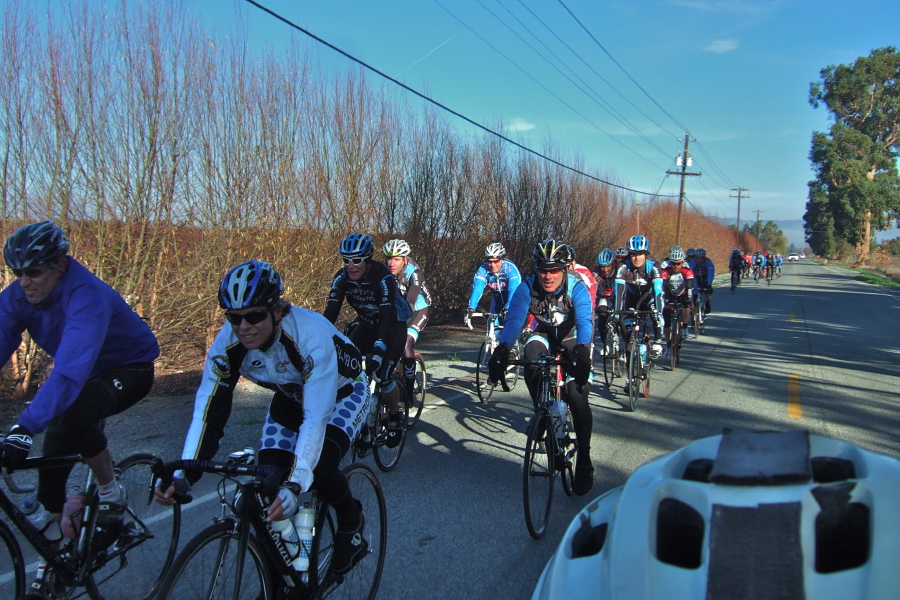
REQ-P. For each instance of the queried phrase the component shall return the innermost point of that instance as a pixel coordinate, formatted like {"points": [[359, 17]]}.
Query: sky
{"points": [[612, 85]]}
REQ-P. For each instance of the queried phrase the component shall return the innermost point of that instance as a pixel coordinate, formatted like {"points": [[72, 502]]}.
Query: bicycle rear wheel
{"points": [[420, 390], [734, 280], [568, 447], [481, 372], [539, 473], [610, 355], [147, 542], [207, 568], [363, 580], [387, 458]]}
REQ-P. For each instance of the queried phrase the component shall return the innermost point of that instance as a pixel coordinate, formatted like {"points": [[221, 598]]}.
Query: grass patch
{"points": [[874, 279]]}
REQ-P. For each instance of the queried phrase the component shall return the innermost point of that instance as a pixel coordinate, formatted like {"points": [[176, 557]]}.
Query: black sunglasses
{"points": [[252, 318], [353, 261], [31, 272]]}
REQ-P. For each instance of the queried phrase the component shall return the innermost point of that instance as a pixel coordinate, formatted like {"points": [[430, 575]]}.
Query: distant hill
{"points": [[793, 230]]}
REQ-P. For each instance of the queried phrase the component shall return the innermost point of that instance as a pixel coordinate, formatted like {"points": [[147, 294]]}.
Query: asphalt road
{"points": [[816, 350]]}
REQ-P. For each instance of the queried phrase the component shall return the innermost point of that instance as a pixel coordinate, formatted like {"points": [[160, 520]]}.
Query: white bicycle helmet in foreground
{"points": [[739, 516]]}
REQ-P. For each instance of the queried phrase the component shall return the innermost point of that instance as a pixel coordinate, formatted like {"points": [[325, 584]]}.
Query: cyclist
{"points": [[561, 307], [678, 283], [621, 257], [583, 273], [636, 277], [379, 330], [411, 282], [779, 260], [757, 266], [320, 395], [691, 255], [103, 355], [500, 275], [704, 273], [748, 262], [606, 288], [736, 262]]}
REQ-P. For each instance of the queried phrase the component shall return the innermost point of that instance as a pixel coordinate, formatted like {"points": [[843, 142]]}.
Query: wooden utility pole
{"points": [[758, 243], [685, 162], [740, 191]]}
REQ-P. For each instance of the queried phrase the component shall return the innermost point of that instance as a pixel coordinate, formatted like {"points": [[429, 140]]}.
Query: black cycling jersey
{"points": [[375, 298]]}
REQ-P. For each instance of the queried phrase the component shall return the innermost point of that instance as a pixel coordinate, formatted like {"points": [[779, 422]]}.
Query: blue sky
{"points": [[735, 73]]}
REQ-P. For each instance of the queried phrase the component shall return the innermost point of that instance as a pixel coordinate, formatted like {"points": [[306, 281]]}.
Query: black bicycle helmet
{"points": [[252, 283], [551, 253], [35, 244]]}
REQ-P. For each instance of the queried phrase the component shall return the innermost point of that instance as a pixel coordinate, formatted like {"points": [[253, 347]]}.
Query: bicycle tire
{"points": [[634, 375], [675, 341], [11, 561], [481, 372], [387, 458], [207, 565], [734, 280], [538, 473], [148, 540], [609, 360], [512, 371], [363, 580], [568, 446], [420, 392]]}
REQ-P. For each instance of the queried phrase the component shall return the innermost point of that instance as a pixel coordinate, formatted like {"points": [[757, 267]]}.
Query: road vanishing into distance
{"points": [[814, 350]]}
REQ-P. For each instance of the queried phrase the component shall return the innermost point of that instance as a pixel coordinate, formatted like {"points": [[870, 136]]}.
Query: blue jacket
{"points": [[567, 308], [502, 285], [86, 327]]}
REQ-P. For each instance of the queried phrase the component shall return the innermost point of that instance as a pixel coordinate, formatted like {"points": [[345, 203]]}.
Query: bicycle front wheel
{"points": [[12, 564], [385, 457], [146, 544], [635, 367], [207, 568], [363, 580], [675, 341], [420, 390], [481, 372], [538, 473]]}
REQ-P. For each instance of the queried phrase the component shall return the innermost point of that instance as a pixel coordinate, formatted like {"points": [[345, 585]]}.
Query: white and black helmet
{"points": [[395, 248], [495, 250], [739, 515], [676, 254]]}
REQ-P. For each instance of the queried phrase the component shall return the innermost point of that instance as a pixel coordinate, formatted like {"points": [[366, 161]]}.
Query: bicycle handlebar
{"points": [[269, 476]]}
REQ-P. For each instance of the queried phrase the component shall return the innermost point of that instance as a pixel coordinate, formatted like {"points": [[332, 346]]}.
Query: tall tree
{"points": [[856, 162]]}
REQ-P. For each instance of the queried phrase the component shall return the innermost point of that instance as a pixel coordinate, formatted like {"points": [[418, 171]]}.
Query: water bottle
{"points": [[285, 529], [41, 519], [71, 515], [560, 409], [644, 354], [304, 523]]}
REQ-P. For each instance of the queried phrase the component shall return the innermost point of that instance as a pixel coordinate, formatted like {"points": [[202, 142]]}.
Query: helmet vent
{"points": [[843, 529], [589, 540], [679, 534]]}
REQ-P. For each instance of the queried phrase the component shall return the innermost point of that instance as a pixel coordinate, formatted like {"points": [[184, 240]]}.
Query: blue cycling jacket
{"points": [[502, 285], [86, 327], [567, 308], [704, 272]]}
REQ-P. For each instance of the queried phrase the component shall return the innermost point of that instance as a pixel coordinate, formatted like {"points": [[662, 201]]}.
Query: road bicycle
{"points": [[373, 437], [126, 564], [735, 280], [614, 359], [676, 333], [550, 447], [769, 270], [637, 347], [240, 557], [420, 392], [490, 343]]}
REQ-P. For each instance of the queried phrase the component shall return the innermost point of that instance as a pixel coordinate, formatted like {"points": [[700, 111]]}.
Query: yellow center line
{"points": [[795, 409]]}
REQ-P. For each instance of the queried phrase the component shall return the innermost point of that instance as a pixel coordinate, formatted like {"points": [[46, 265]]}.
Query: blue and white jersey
{"points": [[411, 281], [502, 285], [567, 311]]}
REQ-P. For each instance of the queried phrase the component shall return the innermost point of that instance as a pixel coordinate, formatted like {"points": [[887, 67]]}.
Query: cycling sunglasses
{"points": [[252, 318], [353, 261], [31, 272], [550, 270]]}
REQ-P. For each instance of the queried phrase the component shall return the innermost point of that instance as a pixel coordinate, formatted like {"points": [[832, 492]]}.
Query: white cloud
{"points": [[720, 46], [520, 125]]}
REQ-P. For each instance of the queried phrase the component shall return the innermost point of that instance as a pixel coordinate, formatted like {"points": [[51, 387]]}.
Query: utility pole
{"points": [[757, 228], [684, 162], [740, 191]]}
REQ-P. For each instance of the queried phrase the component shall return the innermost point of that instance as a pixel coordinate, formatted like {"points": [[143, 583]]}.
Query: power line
{"points": [[438, 104]]}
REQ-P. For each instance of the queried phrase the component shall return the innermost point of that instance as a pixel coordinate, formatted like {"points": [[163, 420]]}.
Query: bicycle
{"points": [[420, 391], [550, 447], [240, 557], [373, 437], [490, 343], [769, 269], [93, 559], [676, 334], [637, 362], [735, 280], [614, 360], [699, 312]]}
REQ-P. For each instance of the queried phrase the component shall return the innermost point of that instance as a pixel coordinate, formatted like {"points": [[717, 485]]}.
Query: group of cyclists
{"points": [[761, 265], [319, 376]]}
